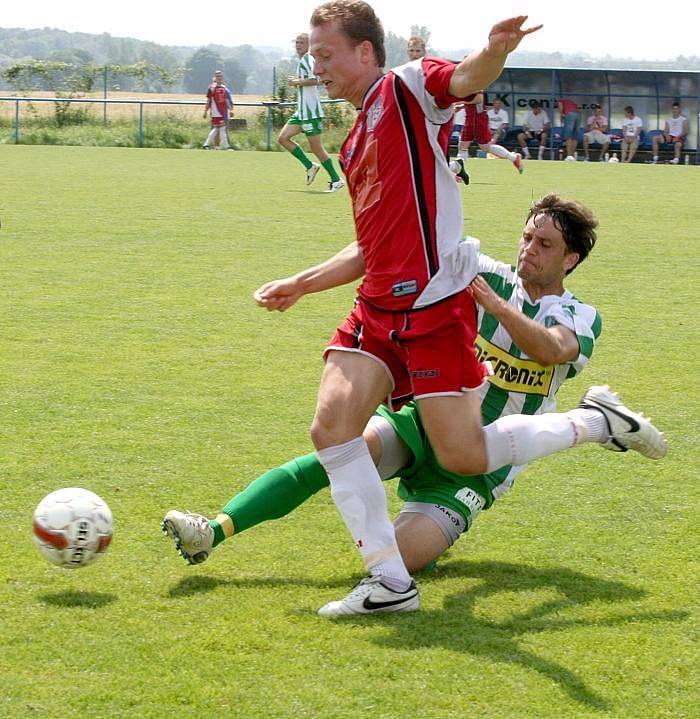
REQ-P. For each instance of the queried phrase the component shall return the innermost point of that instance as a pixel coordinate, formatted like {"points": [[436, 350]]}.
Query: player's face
{"points": [[302, 45], [345, 69], [543, 257], [415, 52], [675, 110]]}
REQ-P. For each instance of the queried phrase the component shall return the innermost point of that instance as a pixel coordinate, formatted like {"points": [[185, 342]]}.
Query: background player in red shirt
{"points": [[219, 102], [411, 331], [476, 128]]}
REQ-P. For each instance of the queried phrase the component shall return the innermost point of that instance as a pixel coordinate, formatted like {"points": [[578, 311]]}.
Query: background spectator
{"points": [[597, 129], [571, 121], [416, 48], [498, 121], [675, 132], [631, 130], [535, 126]]}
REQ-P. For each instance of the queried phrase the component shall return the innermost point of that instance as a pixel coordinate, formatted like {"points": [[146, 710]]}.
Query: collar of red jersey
{"points": [[370, 92]]}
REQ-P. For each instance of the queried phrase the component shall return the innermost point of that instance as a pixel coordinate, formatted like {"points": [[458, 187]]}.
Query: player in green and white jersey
{"points": [[308, 119], [536, 335]]}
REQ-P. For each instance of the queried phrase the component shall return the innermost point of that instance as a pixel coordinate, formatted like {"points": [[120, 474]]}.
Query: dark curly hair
{"points": [[573, 219]]}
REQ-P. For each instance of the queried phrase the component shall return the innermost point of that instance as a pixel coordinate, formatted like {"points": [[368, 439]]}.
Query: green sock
{"points": [[301, 156], [275, 493], [328, 165], [219, 535]]}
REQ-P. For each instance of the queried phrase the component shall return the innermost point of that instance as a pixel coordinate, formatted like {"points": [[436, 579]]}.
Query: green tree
{"points": [[234, 76], [395, 47], [200, 70]]}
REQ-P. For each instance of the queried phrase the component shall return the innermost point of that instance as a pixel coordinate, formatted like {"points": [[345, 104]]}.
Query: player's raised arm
{"points": [[481, 67], [346, 266]]}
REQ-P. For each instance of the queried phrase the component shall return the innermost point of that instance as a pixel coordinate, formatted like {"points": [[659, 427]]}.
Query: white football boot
{"points": [[312, 172], [628, 430], [335, 186], [370, 596], [193, 536]]}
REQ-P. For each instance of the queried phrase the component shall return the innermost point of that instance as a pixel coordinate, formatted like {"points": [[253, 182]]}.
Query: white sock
{"points": [[540, 153], [499, 151], [361, 500], [518, 439], [597, 428], [210, 137], [526, 153], [463, 155]]}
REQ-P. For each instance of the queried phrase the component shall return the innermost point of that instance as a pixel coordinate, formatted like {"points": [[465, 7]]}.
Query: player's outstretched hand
{"points": [[278, 295], [506, 35]]}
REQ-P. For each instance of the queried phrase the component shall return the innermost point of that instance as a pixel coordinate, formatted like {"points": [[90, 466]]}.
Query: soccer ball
{"points": [[72, 527], [570, 158]]}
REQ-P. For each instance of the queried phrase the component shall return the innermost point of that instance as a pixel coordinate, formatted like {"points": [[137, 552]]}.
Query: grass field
{"points": [[134, 362]]}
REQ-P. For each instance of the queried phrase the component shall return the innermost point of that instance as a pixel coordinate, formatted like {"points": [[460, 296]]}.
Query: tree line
{"points": [[149, 67]]}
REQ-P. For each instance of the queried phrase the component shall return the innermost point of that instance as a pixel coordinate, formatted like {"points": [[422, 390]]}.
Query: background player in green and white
{"points": [[308, 119], [536, 335]]}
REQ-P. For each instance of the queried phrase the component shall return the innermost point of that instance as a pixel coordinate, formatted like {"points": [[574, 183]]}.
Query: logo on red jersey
{"points": [[374, 113]]}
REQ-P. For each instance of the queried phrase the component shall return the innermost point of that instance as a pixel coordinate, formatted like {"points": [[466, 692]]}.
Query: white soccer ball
{"points": [[72, 527], [570, 158], [613, 159]]}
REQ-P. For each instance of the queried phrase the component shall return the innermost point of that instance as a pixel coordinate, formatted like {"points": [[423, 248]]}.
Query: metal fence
{"points": [[267, 106], [651, 92]]}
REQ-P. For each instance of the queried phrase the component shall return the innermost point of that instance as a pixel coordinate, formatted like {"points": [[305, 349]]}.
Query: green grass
{"points": [[134, 362]]}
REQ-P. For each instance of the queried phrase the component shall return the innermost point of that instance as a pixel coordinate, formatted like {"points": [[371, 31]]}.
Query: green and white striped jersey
{"points": [[520, 385], [308, 100]]}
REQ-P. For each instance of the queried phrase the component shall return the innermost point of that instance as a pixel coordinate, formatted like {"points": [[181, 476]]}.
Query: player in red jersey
{"points": [[476, 129], [219, 102], [411, 330]]}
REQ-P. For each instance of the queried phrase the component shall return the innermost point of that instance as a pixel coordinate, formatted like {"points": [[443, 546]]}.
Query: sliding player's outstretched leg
{"points": [[192, 534], [627, 429]]}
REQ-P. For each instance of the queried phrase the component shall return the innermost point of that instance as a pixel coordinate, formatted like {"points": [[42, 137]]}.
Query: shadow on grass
{"points": [[198, 584], [89, 600], [460, 627]]}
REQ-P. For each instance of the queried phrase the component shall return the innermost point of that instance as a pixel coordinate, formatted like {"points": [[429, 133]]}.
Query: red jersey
{"points": [[220, 98], [406, 204], [567, 106]]}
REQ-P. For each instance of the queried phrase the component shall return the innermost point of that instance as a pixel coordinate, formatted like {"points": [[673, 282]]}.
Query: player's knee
{"points": [[320, 434], [325, 433]]}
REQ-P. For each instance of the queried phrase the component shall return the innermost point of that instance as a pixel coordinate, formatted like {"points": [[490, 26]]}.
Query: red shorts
{"points": [[477, 129], [426, 352], [218, 121]]}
